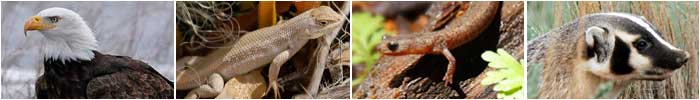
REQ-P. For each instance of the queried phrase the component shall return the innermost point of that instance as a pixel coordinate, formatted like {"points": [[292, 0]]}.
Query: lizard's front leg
{"points": [[275, 66], [211, 89]]}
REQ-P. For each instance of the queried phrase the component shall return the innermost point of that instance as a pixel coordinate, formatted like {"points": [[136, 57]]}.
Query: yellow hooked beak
{"points": [[34, 23]]}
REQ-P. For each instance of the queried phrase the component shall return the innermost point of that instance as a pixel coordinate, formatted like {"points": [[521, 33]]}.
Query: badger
{"points": [[600, 48]]}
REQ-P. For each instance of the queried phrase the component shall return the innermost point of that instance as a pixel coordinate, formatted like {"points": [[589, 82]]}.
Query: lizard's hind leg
{"points": [[211, 89], [274, 71]]}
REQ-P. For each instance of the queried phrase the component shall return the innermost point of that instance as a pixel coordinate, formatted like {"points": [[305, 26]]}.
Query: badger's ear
{"points": [[599, 43]]}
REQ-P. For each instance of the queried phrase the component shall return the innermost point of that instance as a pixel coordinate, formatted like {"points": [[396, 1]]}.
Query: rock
{"points": [[247, 86]]}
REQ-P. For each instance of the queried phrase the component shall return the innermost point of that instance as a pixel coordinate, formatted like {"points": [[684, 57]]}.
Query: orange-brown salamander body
{"points": [[467, 26]]}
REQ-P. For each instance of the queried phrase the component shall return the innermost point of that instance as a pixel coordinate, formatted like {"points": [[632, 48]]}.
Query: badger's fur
{"points": [[599, 48]]}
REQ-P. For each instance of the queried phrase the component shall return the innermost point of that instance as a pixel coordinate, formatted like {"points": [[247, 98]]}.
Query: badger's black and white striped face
{"points": [[624, 46]]}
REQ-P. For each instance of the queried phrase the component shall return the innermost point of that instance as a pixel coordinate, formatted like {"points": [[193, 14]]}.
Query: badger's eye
{"points": [[641, 44], [53, 19]]}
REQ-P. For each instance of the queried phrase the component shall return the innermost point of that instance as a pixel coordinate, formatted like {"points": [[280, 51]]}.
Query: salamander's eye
{"points": [[393, 46]]}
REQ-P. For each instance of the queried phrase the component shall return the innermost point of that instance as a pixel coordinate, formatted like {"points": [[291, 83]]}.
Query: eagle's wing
{"points": [[129, 84], [139, 80], [41, 87]]}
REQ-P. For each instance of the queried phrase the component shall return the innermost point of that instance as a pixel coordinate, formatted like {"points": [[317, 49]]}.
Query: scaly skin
{"points": [[273, 45], [467, 26]]}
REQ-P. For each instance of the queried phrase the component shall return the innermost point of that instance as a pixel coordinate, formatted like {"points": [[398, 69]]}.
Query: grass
{"points": [[533, 79]]}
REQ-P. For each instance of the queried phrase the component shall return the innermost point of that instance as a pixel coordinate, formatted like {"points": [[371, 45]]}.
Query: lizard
{"points": [[272, 45], [461, 30]]}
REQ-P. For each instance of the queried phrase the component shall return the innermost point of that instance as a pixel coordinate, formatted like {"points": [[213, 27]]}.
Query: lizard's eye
{"points": [[393, 46], [323, 22]]}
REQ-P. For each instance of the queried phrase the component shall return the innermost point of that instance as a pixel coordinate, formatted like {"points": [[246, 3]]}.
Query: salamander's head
{"points": [[392, 46], [622, 46], [319, 21], [406, 44]]}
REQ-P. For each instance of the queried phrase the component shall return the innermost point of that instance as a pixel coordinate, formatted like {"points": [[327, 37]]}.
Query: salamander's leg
{"points": [[274, 71], [211, 89], [450, 66]]}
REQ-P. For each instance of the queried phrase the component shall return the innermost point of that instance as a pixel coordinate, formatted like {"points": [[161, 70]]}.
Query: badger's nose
{"points": [[684, 59], [680, 61]]}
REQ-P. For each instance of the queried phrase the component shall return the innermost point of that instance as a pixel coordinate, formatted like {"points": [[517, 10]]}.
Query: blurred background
{"points": [[677, 22], [140, 30]]}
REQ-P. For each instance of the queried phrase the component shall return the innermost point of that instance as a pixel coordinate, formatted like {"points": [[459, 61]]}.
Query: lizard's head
{"points": [[322, 20]]}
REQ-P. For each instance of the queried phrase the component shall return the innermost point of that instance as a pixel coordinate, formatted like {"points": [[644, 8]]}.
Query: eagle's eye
{"points": [[53, 19]]}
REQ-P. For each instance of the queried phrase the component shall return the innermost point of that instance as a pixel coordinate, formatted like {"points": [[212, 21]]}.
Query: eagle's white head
{"points": [[67, 36]]}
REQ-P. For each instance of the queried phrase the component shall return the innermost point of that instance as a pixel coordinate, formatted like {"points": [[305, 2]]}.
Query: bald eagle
{"points": [[73, 68]]}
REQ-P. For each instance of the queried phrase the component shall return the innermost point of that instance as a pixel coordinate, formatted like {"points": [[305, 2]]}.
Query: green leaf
{"points": [[367, 32], [508, 75], [356, 59], [491, 78]]}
